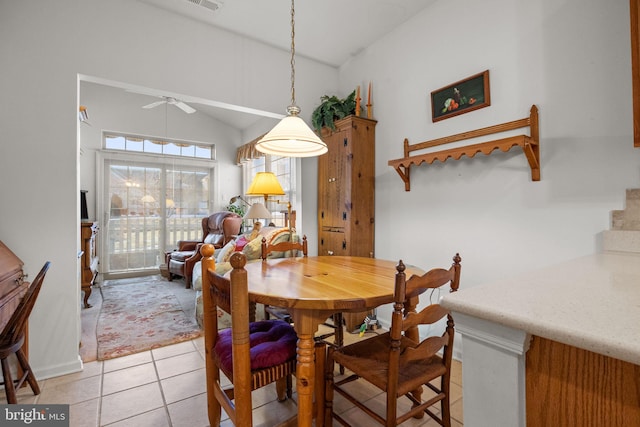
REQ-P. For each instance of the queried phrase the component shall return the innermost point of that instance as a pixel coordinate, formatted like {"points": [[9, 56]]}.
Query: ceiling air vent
{"points": [[208, 4]]}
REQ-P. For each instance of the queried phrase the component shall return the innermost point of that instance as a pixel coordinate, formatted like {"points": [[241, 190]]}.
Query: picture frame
{"points": [[461, 97]]}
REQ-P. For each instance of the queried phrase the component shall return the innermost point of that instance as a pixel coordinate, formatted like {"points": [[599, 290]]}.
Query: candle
{"points": [[358, 92], [358, 101], [369, 95]]}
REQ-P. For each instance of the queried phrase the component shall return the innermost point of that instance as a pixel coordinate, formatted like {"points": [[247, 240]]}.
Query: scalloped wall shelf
{"points": [[530, 145]]}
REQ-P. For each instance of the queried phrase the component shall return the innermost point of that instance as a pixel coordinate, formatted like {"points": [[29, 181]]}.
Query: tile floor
{"points": [[165, 387]]}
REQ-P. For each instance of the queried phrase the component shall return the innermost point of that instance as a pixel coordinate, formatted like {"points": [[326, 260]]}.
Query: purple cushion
{"points": [[272, 342]]}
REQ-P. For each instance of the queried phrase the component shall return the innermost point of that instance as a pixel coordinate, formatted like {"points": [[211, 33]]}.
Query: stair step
{"points": [[621, 240]]}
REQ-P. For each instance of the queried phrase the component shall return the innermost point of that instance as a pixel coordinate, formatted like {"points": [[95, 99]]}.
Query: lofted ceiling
{"points": [[348, 27]]}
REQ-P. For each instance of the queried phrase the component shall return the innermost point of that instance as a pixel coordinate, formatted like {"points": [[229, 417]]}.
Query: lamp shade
{"points": [[264, 184], [257, 211], [291, 137]]}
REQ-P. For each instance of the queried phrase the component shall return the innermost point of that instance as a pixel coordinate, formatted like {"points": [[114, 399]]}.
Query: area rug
{"points": [[141, 316]]}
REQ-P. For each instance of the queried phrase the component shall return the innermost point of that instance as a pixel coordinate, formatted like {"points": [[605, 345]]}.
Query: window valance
{"points": [[248, 151]]}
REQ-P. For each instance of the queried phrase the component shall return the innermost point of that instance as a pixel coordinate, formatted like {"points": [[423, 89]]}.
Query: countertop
{"points": [[592, 302]]}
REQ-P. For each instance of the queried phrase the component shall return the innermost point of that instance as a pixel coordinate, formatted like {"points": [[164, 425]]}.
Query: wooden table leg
{"points": [[306, 324]]}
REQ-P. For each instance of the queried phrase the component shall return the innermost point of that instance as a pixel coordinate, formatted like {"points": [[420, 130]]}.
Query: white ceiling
{"points": [[349, 27]]}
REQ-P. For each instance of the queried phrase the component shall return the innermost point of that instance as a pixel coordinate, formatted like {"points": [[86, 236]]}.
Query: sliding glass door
{"points": [[148, 207]]}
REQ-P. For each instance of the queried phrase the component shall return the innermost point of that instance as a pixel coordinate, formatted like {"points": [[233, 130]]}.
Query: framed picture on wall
{"points": [[461, 97]]}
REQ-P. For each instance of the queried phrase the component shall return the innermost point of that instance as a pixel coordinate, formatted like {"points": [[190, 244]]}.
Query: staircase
{"points": [[624, 235]]}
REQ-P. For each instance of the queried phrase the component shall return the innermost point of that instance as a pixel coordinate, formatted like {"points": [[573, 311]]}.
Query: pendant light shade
{"points": [[292, 137]]}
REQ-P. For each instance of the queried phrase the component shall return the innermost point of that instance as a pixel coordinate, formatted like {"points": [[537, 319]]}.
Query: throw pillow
{"points": [[241, 243], [225, 252], [253, 249]]}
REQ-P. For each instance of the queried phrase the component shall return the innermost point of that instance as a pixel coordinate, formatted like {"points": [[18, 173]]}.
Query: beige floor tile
{"points": [[455, 392], [135, 401], [90, 369], [456, 411], [271, 414], [180, 364], [183, 386], [173, 350], [126, 378], [182, 383], [156, 418], [191, 412], [199, 343], [127, 361], [72, 392], [456, 372], [85, 414]]}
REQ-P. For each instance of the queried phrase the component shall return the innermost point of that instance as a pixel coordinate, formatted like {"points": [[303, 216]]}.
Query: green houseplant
{"points": [[332, 108]]}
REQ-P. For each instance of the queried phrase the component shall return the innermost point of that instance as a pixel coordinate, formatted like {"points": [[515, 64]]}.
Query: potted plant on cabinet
{"points": [[331, 109]]}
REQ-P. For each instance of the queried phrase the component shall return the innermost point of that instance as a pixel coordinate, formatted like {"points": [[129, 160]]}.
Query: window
{"points": [[284, 168], [138, 144], [150, 200]]}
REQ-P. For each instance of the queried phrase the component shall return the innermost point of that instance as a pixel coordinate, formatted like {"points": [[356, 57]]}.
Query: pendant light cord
{"points": [[293, 108]]}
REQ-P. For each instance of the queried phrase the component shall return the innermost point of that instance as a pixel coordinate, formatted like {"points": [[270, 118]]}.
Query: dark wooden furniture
{"points": [[12, 340], [317, 287], [232, 296], [530, 145], [400, 365], [346, 186], [218, 229], [88, 234], [12, 283]]}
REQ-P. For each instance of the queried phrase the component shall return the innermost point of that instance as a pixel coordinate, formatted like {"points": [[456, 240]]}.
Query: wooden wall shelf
{"points": [[530, 145]]}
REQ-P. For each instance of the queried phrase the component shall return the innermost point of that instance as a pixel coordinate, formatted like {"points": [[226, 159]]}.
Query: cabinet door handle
{"points": [[329, 252]]}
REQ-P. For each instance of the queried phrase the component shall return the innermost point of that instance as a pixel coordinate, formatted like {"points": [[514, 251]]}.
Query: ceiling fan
{"points": [[172, 101]]}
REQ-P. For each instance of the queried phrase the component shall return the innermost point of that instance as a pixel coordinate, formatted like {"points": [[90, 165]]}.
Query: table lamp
{"points": [[265, 184], [257, 211]]}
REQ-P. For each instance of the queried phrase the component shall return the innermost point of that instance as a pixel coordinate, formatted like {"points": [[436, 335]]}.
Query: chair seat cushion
{"points": [[181, 255], [272, 342]]}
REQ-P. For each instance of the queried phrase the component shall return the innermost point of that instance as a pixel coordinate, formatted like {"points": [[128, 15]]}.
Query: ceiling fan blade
{"points": [[154, 104], [185, 107]]}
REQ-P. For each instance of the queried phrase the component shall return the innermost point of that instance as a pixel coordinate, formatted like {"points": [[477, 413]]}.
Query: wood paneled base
{"points": [[568, 386]]}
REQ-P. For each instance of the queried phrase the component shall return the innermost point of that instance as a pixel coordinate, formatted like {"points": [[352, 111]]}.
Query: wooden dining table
{"points": [[312, 289]]}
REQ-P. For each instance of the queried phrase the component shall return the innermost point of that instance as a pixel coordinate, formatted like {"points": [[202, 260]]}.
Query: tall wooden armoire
{"points": [[346, 184]]}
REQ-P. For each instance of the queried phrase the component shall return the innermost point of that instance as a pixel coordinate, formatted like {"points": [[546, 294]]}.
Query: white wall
{"points": [[571, 59], [44, 46], [114, 109]]}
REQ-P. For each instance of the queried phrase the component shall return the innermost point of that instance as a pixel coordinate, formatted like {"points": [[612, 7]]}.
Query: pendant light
{"points": [[292, 137]]}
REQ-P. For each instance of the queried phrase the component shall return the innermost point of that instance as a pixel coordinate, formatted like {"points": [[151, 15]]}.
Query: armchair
{"points": [[218, 229]]}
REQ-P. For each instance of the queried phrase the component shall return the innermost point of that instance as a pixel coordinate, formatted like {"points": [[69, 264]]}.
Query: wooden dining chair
{"points": [[289, 248], [294, 249], [397, 362], [12, 339], [250, 354]]}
